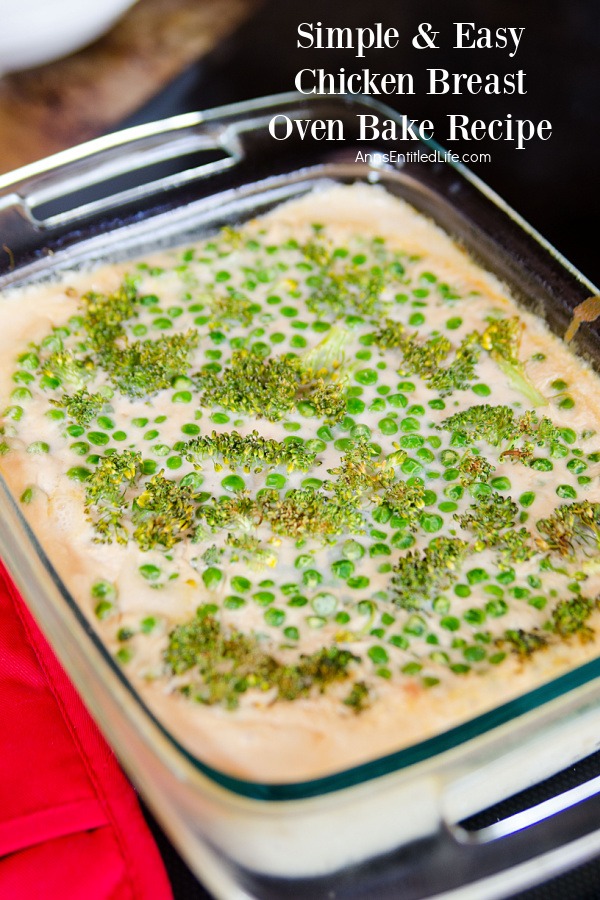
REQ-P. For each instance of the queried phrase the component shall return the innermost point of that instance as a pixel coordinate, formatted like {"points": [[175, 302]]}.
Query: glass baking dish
{"points": [[394, 822]]}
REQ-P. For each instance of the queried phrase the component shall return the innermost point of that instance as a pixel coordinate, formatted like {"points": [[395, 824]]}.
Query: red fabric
{"points": [[70, 824]]}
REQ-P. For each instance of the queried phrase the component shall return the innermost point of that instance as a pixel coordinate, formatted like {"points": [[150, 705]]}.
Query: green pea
{"points": [[474, 654], [274, 617], [475, 576], [79, 473], [411, 441], [342, 568], [431, 522], [402, 541], [501, 483], [80, 448], [212, 577], [182, 397], [379, 549], [360, 431], [150, 572], [566, 492], [409, 424], [275, 480], [233, 483], [568, 435], [527, 499], [38, 447], [240, 583], [366, 376], [352, 550], [232, 601], [415, 625], [496, 608], [566, 403], [450, 623], [358, 582], [411, 467], [311, 578], [398, 400], [355, 405], [378, 655], [324, 604], [475, 616], [324, 433], [388, 426]]}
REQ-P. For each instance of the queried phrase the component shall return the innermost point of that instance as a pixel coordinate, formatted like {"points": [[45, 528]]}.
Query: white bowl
{"points": [[37, 31]]}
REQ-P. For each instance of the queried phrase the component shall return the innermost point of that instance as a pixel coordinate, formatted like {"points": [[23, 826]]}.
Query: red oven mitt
{"points": [[70, 824]]}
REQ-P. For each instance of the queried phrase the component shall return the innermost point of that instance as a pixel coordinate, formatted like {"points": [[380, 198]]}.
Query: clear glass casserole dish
{"points": [[392, 821]]}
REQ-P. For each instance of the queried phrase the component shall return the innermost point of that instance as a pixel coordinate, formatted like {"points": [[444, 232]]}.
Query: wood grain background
{"points": [[60, 104]]}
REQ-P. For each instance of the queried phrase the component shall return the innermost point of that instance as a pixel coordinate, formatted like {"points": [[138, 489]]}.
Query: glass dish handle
{"points": [[97, 176], [526, 848]]}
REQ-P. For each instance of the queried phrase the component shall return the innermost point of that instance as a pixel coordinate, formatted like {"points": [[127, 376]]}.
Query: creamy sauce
{"points": [[423, 661]]}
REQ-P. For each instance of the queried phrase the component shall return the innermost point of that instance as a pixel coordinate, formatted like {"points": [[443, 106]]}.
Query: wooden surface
{"points": [[60, 104]]}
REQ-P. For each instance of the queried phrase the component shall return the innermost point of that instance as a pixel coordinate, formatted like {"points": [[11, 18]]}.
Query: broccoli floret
{"points": [[259, 387], [569, 618], [251, 551], [239, 511], [310, 513], [359, 473], [493, 424], [572, 526], [145, 367], [81, 406], [390, 335], [419, 577], [359, 697], [498, 425], [502, 339], [106, 313], [328, 356], [406, 500], [327, 400], [524, 643], [227, 664], [270, 387], [491, 519], [344, 286], [105, 489], [232, 306], [163, 513], [461, 371], [473, 467], [250, 452], [68, 368], [488, 518], [425, 357]]}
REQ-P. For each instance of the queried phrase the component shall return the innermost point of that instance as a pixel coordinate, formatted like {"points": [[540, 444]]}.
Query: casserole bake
{"points": [[372, 791]]}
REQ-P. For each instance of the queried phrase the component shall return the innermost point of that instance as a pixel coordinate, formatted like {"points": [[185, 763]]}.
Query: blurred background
{"points": [[169, 56]]}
